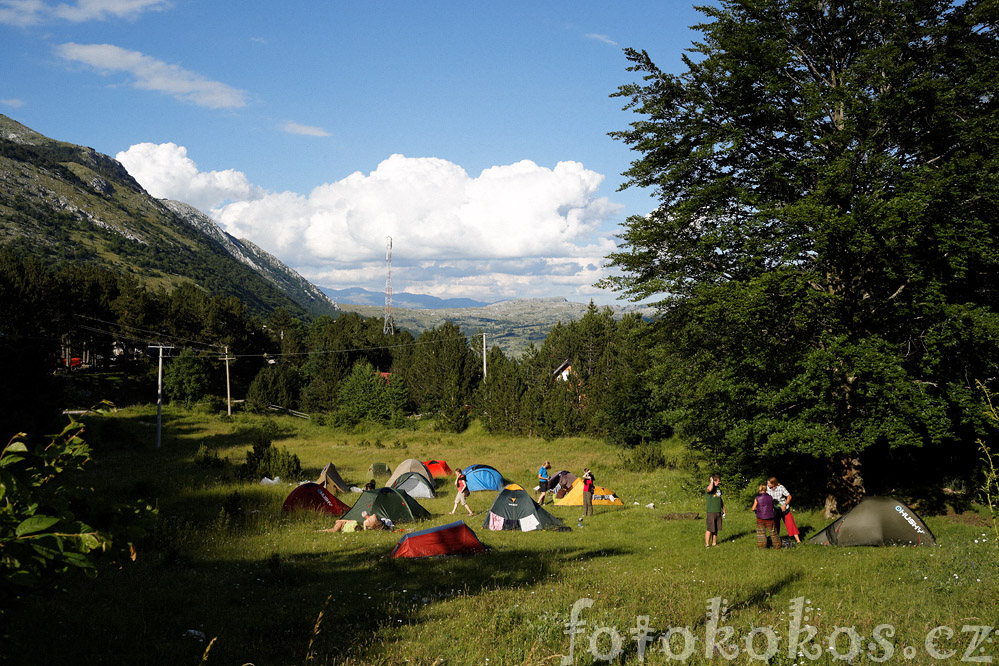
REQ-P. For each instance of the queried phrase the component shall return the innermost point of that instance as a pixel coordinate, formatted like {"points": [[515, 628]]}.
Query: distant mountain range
{"points": [[513, 325], [358, 296], [69, 203]]}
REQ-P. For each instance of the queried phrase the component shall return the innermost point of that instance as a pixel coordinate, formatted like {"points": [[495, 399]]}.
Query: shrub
{"points": [[647, 457], [265, 459]]}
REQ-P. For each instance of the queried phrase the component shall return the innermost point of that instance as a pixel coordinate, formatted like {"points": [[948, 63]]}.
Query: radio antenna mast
{"points": [[388, 328]]}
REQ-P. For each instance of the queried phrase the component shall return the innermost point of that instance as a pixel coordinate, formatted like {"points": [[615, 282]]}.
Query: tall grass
{"points": [[271, 588]]}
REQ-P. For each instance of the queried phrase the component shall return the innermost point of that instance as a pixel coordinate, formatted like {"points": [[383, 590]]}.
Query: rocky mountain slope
{"points": [[69, 203]]}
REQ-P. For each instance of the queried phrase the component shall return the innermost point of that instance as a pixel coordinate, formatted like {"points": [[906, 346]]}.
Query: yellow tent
{"points": [[601, 495]]}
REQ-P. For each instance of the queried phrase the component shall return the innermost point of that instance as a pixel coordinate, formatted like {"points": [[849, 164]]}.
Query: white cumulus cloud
{"points": [[166, 172], [32, 12], [512, 231], [148, 73]]}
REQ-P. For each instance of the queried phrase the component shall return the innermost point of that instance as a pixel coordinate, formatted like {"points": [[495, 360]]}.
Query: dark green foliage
{"points": [[187, 377], [499, 396], [274, 385], [442, 376], [265, 459], [367, 396], [647, 457], [50, 525], [825, 249]]}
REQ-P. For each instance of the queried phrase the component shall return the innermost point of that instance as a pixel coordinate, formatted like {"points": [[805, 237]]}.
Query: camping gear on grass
{"points": [[331, 480], [482, 477], [438, 468], [379, 469], [877, 521], [514, 509], [411, 465], [391, 503], [455, 538], [314, 497], [564, 485], [601, 495], [415, 485]]}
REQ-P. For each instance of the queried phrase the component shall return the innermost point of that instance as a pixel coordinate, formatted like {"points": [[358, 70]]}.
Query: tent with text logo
{"points": [[877, 521], [314, 497], [514, 509]]}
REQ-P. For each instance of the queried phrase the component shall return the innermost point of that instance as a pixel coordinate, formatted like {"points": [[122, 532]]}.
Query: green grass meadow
{"points": [[268, 588]]}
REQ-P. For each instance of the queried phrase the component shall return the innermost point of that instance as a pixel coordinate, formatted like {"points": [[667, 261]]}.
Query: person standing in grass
{"points": [[588, 485], [715, 508], [766, 519], [782, 507], [543, 481], [462, 485]]}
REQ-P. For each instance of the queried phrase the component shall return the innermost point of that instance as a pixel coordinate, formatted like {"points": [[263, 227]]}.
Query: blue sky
{"points": [[474, 134]]}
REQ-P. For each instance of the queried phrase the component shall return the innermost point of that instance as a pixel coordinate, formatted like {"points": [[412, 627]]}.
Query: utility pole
{"points": [[228, 395], [159, 395], [483, 354]]}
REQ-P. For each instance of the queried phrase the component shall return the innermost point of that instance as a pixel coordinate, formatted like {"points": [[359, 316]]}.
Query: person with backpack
{"points": [[463, 492], [766, 520]]}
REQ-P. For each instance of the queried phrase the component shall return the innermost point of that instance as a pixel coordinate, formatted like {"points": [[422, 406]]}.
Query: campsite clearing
{"points": [[228, 563]]}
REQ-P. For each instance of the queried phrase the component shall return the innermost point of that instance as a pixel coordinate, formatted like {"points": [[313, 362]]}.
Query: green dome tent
{"points": [[514, 509], [396, 505], [379, 469], [877, 521]]}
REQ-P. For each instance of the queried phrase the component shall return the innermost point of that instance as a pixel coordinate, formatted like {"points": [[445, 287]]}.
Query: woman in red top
{"points": [[588, 485], [463, 492]]}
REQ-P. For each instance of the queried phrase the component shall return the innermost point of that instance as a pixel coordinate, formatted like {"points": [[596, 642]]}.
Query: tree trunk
{"points": [[844, 485]]}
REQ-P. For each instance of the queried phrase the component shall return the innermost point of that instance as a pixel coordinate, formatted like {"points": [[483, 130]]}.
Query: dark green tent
{"points": [[396, 505], [514, 509], [877, 521], [379, 469]]}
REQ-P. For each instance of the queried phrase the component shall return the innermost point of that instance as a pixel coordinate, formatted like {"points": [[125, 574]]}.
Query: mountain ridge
{"points": [[70, 204]]}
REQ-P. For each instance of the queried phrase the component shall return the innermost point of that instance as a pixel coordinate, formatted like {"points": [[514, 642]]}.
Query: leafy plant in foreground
{"points": [[48, 527]]}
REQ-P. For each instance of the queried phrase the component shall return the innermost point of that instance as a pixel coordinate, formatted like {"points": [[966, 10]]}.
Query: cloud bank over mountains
{"points": [[514, 231]]}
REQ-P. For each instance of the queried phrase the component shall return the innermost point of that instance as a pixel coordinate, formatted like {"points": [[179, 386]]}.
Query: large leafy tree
{"points": [[824, 250]]}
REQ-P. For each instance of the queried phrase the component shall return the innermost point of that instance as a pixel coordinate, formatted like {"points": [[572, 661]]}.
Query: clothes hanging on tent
{"points": [[528, 523]]}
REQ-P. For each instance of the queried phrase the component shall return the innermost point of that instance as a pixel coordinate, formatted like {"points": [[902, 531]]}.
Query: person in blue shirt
{"points": [[543, 481]]}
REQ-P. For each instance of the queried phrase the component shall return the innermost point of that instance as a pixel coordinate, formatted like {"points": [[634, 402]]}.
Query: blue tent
{"points": [[482, 477]]}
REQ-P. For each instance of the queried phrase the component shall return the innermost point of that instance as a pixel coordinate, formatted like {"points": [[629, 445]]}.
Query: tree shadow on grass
{"points": [[264, 610]]}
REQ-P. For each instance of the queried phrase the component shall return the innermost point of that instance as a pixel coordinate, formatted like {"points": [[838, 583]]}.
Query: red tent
{"points": [[455, 538], [313, 496], [438, 468]]}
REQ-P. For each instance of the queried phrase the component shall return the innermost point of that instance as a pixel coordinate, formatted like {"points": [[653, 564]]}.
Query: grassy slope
{"points": [[257, 580]]}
